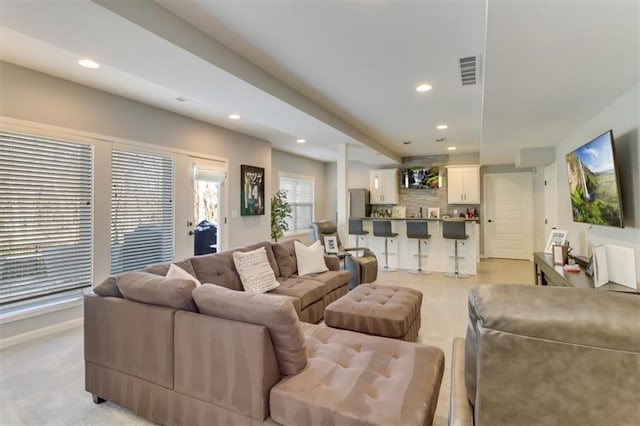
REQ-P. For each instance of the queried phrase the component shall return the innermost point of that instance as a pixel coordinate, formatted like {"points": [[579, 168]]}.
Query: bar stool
{"points": [[455, 230], [382, 228], [418, 229], [355, 228]]}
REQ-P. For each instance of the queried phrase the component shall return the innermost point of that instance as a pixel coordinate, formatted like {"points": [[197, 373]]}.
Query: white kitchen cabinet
{"points": [[463, 184], [383, 185]]}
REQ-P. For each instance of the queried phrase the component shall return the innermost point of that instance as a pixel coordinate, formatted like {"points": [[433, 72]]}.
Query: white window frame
{"points": [[312, 180]]}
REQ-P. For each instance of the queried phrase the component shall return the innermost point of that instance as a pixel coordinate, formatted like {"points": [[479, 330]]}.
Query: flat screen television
{"points": [[594, 184]]}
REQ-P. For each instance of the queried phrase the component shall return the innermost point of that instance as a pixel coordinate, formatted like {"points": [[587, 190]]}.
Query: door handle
{"points": [[489, 221], [190, 232]]}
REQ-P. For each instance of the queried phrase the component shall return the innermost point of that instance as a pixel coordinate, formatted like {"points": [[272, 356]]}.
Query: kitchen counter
{"points": [[403, 251]]}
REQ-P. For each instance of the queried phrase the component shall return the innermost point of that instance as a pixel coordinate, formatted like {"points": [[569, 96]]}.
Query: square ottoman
{"points": [[387, 311]]}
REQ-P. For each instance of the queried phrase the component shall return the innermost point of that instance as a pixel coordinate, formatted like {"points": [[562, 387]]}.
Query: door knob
{"points": [[190, 232], [489, 221]]}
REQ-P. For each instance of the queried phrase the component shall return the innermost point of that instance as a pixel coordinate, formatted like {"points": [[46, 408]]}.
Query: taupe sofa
{"points": [[215, 356], [547, 356]]}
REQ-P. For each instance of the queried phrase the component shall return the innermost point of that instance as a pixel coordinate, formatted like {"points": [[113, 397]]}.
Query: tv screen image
{"points": [[593, 183]]}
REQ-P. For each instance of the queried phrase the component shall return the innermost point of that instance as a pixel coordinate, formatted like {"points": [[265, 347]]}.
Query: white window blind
{"points": [[300, 198], [45, 216], [141, 210]]}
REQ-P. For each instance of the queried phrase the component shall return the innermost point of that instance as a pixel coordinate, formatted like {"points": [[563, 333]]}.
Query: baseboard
{"points": [[35, 334]]}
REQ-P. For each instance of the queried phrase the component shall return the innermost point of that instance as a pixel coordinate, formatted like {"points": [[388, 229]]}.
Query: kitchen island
{"points": [[403, 251]]}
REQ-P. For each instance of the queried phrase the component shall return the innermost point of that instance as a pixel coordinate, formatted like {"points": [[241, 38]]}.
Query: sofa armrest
{"points": [[228, 363], [332, 262], [460, 409], [557, 355]]}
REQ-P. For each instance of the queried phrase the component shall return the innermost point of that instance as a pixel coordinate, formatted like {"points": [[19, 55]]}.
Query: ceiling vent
{"points": [[468, 70]]}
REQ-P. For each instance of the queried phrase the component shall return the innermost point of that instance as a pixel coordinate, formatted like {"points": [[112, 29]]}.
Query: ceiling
{"points": [[345, 72]]}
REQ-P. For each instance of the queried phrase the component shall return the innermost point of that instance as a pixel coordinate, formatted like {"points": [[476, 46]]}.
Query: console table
{"points": [[548, 274]]}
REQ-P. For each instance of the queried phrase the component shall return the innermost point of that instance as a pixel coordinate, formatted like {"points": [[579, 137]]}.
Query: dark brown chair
{"points": [[363, 269]]}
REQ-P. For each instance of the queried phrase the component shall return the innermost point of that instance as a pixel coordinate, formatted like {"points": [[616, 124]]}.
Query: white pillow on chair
{"points": [[310, 259]]}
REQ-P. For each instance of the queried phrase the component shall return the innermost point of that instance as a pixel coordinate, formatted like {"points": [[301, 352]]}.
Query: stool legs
{"points": [[386, 257], [419, 271], [456, 273]]}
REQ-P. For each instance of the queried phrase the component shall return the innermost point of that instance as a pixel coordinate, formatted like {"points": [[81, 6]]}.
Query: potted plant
{"points": [[280, 211]]}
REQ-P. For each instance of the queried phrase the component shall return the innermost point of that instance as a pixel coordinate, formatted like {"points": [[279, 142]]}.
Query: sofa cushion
{"points": [[285, 254], [177, 272], [354, 379], [108, 287], [308, 291], [255, 272], [217, 269], [332, 279], [154, 290], [163, 268], [310, 260], [275, 313]]}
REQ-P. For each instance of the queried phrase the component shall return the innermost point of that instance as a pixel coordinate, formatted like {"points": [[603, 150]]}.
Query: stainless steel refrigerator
{"points": [[359, 205]]}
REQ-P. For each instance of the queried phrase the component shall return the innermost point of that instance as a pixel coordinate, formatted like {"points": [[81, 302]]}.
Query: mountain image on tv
{"points": [[593, 183]]}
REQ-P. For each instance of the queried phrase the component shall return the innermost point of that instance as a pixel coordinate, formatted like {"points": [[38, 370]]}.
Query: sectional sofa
{"points": [[182, 355]]}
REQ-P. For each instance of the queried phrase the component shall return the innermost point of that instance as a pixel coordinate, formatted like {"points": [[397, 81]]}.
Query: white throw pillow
{"points": [[310, 259], [255, 271], [177, 272]]}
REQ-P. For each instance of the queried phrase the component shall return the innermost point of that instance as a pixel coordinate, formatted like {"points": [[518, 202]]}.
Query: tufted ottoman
{"points": [[387, 311]]}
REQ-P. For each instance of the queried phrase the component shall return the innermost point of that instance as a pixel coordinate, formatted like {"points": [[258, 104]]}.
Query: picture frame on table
{"points": [[556, 237], [559, 254], [331, 245], [433, 213]]}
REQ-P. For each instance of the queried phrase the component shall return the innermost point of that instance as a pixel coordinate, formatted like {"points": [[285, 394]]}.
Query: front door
{"points": [[509, 215]]}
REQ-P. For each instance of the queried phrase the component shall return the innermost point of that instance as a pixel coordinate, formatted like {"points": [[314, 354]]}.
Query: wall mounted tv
{"points": [[594, 184]]}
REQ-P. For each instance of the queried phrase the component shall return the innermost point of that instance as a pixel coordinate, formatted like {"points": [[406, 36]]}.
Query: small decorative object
{"points": [[556, 237], [331, 245], [433, 213], [589, 269], [559, 254], [280, 211], [251, 191]]}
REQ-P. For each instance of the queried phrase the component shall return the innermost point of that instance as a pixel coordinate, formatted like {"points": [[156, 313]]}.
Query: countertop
{"points": [[416, 218]]}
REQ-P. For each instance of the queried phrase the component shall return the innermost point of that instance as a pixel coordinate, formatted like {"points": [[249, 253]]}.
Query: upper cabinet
{"points": [[463, 184], [383, 184]]}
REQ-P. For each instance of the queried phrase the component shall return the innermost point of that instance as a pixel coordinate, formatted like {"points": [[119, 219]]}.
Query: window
{"points": [[300, 198], [141, 210], [45, 217]]}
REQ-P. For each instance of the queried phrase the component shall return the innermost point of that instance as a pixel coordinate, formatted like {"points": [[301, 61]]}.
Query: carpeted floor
{"points": [[42, 381]]}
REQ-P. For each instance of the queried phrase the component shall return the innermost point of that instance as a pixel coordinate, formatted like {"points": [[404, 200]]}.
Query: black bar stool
{"points": [[418, 229], [455, 230], [382, 228], [355, 228]]}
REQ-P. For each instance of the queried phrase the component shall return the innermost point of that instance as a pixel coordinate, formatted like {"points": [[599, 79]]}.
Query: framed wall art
{"points": [[251, 190]]}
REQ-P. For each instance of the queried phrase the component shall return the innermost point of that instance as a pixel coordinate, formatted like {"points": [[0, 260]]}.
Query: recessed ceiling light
{"points": [[442, 126], [301, 140], [424, 87], [88, 63], [452, 148], [234, 116]]}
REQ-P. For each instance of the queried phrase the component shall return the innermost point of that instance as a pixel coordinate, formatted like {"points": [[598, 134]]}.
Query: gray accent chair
{"points": [[363, 269], [538, 355]]}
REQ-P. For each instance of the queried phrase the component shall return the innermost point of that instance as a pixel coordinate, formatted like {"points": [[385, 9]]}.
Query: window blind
{"points": [[141, 210], [300, 198], [45, 216]]}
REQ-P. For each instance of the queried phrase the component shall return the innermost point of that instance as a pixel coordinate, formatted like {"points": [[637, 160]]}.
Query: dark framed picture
{"points": [[251, 190]]}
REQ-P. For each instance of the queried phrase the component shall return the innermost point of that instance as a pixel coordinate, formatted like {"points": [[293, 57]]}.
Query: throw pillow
{"points": [[108, 288], [273, 312], [255, 271], [177, 272], [156, 290], [310, 259]]}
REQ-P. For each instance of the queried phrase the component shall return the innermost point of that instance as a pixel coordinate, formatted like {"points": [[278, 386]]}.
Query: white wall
{"points": [[37, 97], [623, 116], [358, 177]]}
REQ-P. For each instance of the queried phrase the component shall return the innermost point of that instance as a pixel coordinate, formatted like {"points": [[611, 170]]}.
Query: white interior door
{"points": [[509, 215], [550, 200]]}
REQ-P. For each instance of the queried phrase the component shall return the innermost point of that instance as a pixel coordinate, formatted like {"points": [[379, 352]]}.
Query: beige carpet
{"points": [[42, 382]]}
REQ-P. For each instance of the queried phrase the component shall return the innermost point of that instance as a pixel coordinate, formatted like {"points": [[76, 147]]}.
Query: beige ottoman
{"points": [[379, 310]]}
